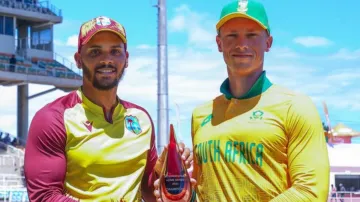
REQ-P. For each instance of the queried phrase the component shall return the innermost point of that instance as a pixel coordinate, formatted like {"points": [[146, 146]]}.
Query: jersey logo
{"points": [[257, 115], [88, 125], [206, 120], [132, 124]]}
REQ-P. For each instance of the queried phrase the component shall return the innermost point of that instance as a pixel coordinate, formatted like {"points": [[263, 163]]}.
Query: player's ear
{"points": [[78, 61], [269, 42], [127, 59], [218, 42]]}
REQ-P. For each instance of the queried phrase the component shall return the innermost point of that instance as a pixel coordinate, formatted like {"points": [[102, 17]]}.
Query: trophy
{"points": [[174, 180]]}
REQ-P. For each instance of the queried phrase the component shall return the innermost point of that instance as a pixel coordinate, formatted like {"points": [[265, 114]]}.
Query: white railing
{"points": [[43, 7], [347, 196], [67, 63], [11, 180], [38, 71], [16, 160], [51, 7], [10, 160], [23, 44], [16, 151]]}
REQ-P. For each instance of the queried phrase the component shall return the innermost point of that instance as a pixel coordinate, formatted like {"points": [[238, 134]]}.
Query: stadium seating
{"points": [[22, 66], [8, 139], [14, 195], [54, 67], [38, 66], [4, 59], [31, 5], [12, 183]]}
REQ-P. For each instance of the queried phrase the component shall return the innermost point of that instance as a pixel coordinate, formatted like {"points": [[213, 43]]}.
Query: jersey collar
{"points": [[98, 109], [260, 86]]}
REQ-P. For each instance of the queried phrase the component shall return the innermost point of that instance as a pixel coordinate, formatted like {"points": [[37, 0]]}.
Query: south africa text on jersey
{"points": [[231, 151]]}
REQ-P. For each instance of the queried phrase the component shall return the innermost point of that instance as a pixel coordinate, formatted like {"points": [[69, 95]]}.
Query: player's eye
{"points": [[116, 51], [231, 35], [250, 35], [94, 52]]}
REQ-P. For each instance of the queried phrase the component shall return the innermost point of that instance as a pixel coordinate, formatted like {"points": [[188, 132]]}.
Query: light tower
{"points": [[162, 74]]}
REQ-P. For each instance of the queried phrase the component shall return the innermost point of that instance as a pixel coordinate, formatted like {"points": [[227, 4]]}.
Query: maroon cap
{"points": [[98, 24]]}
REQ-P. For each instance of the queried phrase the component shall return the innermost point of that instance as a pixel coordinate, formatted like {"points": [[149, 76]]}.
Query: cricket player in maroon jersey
{"points": [[91, 145]]}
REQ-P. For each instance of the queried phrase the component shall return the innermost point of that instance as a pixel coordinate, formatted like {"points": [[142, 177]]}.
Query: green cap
{"points": [[250, 9]]}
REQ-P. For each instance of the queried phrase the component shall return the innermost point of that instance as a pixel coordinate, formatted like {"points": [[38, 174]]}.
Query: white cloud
{"points": [[283, 52], [348, 100], [141, 62], [198, 35], [72, 41], [346, 54], [312, 41], [58, 42], [8, 100], [347, 75], [145, 47], [7, 123], [199, 29], [177, 23], [190, 60]]}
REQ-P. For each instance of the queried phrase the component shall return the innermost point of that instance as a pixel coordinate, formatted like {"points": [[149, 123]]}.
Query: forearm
{"points": [[147, 188]]}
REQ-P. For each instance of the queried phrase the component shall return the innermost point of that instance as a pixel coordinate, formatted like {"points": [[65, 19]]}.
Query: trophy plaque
{"points": [[174, 180]]}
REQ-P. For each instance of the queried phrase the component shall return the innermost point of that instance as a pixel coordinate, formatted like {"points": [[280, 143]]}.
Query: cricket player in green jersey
{"points": [[258, 141]]}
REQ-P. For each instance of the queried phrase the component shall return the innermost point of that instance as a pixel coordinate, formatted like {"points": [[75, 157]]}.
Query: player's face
{"points": [[243, 43], [103, 60]]}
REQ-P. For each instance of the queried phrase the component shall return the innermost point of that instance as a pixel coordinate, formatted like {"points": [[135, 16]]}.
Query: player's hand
{"points": [[185, 153], [157, 188]]}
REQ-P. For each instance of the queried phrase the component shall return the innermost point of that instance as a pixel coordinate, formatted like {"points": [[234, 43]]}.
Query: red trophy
{"points": [[174, 180]]}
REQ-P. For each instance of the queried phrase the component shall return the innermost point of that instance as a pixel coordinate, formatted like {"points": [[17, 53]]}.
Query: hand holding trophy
{"points": [[174, 179]]}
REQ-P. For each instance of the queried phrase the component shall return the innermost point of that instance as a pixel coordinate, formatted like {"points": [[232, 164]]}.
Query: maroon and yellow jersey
{"points": [[74, 153]]}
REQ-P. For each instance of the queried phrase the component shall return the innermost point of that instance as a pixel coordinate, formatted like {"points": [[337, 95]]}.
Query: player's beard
{"points": [[99, 84]]}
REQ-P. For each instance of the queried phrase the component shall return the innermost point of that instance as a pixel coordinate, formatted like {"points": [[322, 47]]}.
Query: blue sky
{"points": [[315, 51]]}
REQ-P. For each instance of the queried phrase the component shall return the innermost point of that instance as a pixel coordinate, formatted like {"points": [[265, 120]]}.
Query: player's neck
{"points": [[105, 99], [240, 85]]}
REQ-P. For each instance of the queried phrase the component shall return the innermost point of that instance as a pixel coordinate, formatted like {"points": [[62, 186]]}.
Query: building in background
{"points": [[344, 156], [27, 56]]}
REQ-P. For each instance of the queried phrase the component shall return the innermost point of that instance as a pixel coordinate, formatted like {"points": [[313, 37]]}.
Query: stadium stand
{"points": [[55, 68], [12, 181], [26, 32], [38, 66], [31, 5]]}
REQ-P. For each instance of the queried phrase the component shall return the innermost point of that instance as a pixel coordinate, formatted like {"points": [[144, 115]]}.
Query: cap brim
{"points": [[108, 30], [237, 15]]}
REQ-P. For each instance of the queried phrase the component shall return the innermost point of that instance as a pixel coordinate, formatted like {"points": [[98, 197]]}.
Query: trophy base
{"points": [[175, 189]]}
